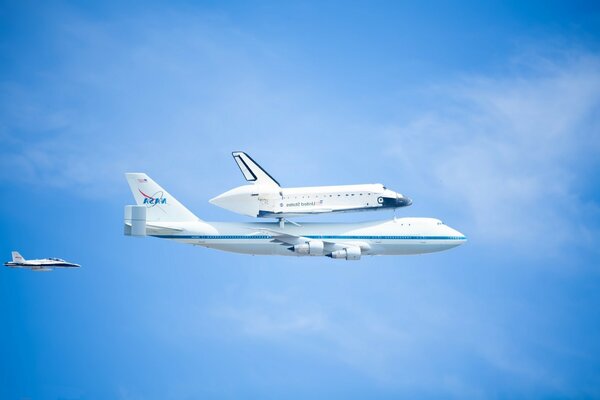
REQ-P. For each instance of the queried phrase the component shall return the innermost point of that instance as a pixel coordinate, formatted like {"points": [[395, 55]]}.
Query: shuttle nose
{"points": [[402, 201]]}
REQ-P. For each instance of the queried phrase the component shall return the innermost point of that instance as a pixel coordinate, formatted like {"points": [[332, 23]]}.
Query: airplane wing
{"points": [[287, 239]]}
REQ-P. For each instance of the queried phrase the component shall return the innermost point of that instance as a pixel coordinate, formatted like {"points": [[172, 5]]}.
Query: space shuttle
{"points": [[265, 198]]}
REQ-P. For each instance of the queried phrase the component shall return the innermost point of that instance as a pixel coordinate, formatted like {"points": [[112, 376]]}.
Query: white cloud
{"points": [[405, 346], [162, 99], [360, 340], [512, 150]]}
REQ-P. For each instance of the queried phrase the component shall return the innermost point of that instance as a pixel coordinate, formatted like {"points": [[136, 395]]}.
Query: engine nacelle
{"points": [[349, 253], [135, 220], [312, 248]]}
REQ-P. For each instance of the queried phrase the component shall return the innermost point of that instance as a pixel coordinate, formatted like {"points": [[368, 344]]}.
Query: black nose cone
{"points": [[403, 202]]}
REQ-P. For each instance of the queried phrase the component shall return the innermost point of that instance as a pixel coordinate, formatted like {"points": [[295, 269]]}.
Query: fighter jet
{"points": [[265, 198], [41, 265]]}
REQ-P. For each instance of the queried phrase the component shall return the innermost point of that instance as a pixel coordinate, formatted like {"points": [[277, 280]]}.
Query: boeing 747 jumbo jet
{"points": [[41, 265], [158, 214], [267, 199]]}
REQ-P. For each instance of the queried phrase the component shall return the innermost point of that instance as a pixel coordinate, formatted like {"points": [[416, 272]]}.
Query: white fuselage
{"points": [[392, 237], [41, 263], [277, 202]]}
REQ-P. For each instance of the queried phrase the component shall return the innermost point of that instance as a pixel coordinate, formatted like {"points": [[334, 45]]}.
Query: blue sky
{"points": [[487, 115]]}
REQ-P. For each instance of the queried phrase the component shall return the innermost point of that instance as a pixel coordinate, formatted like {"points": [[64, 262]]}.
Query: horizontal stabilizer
{"points": [[164, 228]]}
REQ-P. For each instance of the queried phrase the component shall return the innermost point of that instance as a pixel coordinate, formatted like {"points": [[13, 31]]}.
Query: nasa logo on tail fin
{"points": [[252, 171], [161, 206], [155, 199]]}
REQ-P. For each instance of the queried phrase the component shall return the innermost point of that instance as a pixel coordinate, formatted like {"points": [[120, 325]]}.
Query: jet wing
{"points": [[41, 269]]}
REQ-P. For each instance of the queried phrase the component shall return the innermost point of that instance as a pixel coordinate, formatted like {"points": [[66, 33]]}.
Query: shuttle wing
{"points": [[321, 210]]}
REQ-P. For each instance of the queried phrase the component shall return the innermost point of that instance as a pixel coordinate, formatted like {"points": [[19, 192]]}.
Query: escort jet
{"points": [[265, 198], [41, 265]]}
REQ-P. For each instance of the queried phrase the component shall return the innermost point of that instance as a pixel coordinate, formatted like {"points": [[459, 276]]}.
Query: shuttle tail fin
{"points": [[160, 205], [17, 258], [252, 171]]}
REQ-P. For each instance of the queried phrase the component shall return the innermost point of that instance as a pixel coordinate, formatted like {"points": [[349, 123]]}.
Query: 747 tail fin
{"points": [[160, 205]]}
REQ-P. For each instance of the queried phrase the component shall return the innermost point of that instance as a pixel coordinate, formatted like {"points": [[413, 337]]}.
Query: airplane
{"points": [[158, 214], [41, 265], [265, 198]]}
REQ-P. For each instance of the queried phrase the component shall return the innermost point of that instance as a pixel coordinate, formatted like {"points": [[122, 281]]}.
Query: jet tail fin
{"points": [[17, 258], [252, 171], [160, 205]]}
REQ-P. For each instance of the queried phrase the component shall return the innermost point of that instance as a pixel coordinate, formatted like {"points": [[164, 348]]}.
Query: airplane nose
{"points": [[459, 235]]}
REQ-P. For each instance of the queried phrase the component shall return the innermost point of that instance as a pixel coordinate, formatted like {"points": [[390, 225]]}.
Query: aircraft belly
{"points": [[376, 247], [395, 237], [391, 248], [251, 246], [266, 248], [409, 247]]}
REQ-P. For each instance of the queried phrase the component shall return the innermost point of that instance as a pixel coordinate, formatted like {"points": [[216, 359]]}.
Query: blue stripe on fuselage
{"points": [[351, 237]]}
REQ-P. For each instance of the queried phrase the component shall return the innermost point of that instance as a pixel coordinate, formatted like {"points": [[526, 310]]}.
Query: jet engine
{"points": [[349, 253], [135, 220], [311, 248]]}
